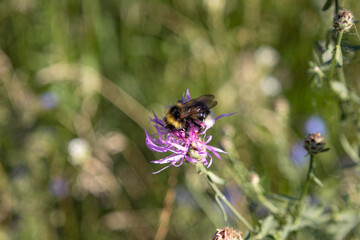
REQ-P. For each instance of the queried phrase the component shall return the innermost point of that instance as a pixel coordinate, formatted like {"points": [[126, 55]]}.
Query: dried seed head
{"points": [[343, 20], [227, 233], [314, 143]]}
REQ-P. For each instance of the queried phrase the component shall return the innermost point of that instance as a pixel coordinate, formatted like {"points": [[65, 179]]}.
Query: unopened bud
{"points": [[254, 179], [314, 143], [227, 233], [343, 20]]}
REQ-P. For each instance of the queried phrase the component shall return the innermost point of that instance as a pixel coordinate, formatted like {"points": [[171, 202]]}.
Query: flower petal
{"points": [[172, 158], [224, 115], [162, 169]]}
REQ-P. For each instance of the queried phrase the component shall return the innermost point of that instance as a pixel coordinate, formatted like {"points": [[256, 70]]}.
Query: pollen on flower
{"points": [[190, 144]]}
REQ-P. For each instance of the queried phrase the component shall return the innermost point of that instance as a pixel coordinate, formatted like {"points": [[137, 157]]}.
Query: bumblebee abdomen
{"points": [[173, 118]]}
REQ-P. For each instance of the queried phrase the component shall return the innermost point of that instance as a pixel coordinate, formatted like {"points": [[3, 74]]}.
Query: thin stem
{"points": [[223, 198], [274, 209], [333, 61], [336, 7], [305, 190], [240, 171]]}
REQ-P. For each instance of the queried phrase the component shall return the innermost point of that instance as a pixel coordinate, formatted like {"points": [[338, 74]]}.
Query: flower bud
{"points": [[254, 179], [343, 20], [227, 233], [314, 143]]}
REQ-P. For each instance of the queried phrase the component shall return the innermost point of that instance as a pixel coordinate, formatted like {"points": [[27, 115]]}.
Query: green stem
{"points": [[305, 190], [336, 7], [333, 61], [223, 198]]}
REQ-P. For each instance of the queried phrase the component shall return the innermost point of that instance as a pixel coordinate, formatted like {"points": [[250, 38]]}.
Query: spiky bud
{"points": [[343, 20], [314, 143], [227, 233]]}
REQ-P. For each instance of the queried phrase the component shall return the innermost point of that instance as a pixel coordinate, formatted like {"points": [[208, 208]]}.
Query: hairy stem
{"points": [[305, 190], [336, 50]]}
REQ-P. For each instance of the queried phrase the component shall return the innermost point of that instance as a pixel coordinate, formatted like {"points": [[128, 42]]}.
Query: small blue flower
{"points": [[298, 153], [49, 100], [315, 124]]}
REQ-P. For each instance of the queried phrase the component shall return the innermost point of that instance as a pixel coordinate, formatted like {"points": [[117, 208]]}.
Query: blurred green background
{"points": [[80, 78]]}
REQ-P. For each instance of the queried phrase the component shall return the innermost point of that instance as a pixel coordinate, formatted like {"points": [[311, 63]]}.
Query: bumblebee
{"points": [[196, 111]]}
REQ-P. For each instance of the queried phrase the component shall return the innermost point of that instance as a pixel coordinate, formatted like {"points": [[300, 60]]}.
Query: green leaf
{"points": [[317, 180], [216, 179], [340, 89], [345, 222], [327, 5], [283, 198], [350, 150], [267, 226], [339, 56], [217, 198], [355, 97], [325, 150], [351, 47]]}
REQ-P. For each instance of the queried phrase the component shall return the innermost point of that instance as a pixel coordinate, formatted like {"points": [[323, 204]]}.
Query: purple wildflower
{"points": [[191, 146]]}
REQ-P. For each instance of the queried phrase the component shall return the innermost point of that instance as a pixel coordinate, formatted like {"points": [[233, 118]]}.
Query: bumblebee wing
{"points": [[197, 105]]}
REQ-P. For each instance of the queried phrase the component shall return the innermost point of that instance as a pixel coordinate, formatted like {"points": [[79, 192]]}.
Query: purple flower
{"points": [[191, 145], [59, 187], [49, 100]]}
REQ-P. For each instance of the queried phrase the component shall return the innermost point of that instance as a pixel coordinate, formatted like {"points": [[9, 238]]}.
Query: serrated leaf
{"points": [[327, 5], [340, 89]]}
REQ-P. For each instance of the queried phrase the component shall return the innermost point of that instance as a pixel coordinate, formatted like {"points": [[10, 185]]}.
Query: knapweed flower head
{"points": [[314, 143], [190, 144], [227, 233], [343, 21]]}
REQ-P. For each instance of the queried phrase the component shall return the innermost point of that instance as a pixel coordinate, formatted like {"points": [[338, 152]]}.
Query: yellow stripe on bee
{"points": [[171, 120]]}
